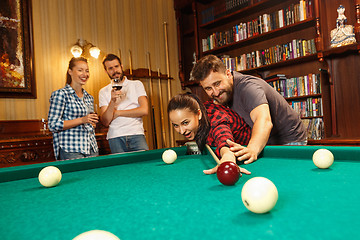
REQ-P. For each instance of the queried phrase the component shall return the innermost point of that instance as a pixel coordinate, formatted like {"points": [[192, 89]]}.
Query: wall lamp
{"points": [[81, 45]]}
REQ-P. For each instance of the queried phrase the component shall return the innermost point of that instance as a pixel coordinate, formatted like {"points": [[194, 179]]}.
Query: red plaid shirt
{"points": [[225, 124]]}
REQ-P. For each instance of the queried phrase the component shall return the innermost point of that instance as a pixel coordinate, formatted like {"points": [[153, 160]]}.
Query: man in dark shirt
{"points": [[272, 120]]}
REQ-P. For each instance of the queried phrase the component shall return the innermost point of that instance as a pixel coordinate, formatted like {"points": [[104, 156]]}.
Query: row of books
{"points": [[309, 107], [234, 5], [315, 128], [223, 8], [294, 49], [262, 24], [297, 86]]}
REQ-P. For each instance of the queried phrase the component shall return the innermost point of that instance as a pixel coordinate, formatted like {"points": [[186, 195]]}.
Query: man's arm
{"points": [[107, 112], [259, 135], [226, 155], [140, 111]]}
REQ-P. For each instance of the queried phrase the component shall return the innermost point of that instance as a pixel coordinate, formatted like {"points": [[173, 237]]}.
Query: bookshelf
{"points": [[257, 37], [304, 95]]}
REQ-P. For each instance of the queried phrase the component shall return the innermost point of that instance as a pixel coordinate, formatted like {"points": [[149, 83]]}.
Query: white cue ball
{"points": [[50, 176], [169, 156], [259, 195], [323, 158], [96, 235]]}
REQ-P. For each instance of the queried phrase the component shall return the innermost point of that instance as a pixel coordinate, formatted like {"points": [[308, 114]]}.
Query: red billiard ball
{"points": [[228, 173]]}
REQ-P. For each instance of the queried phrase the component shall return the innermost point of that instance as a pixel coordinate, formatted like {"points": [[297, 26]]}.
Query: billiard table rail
{"points": [[32, 171], [287, 152]]}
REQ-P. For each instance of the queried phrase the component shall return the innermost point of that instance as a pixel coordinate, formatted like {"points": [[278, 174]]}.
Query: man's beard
{"points": [[121, 75], [227, 101]]}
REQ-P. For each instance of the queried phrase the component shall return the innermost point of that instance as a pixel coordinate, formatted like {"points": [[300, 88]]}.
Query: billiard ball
{"points": [[323, 158], [96, 235], [228, 173], [169, 156], [50, 176], [259, 195]]}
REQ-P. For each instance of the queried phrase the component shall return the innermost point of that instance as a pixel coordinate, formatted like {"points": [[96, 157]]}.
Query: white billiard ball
{"points": [[323, 158], [96, 235], [259, 195], [169, 156], [50, 176]]}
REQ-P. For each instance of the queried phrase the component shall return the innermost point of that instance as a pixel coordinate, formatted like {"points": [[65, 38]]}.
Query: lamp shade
{"points": [[94, 52], [76, 51]]}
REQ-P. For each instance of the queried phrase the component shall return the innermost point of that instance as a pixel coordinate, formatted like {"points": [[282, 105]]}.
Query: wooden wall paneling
{"points": [[357, 22], [334, 129], [157, 109], [29, 141], [148, 120], [151, 126], [188, 56], [306, 68], [180, 44], [327, 88], [199, 91], [170, 129], [196, 30], [347, 97], [341, 67], [319, 33]]}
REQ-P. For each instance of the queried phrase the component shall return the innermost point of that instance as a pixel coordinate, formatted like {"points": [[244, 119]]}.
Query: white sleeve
{"points": [[140, 89], [104, 98]]}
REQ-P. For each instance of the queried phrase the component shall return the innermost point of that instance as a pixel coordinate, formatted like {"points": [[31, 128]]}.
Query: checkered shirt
{"points": [[66, 105], [225, 124]]}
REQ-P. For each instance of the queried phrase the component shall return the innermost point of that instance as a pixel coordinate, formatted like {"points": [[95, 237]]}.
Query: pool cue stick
{"points": [[120, 54], [212, 154], [152, 117], [171, 130], [161, 112], [130, 63]]}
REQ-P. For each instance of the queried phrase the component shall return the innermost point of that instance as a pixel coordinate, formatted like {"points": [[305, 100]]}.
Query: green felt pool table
{"points": [[138, 196]]}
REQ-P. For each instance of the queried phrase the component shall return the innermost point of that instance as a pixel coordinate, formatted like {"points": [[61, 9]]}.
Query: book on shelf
{"points": [[262, 24], [315, 128], [221, 9], [304, 87], [273, 54], [298, 86], [309, 107], [275, 76]]}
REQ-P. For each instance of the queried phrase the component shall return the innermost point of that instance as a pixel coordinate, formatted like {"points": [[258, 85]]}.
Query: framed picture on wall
{"points": [[16, 50]]}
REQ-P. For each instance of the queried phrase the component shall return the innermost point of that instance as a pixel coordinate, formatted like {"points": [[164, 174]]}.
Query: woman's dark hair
{"points": [[72, 64], [192, 103]]}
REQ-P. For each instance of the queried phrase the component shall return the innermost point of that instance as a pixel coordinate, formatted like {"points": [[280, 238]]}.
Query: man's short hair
{"points": [[206, 65], [110, 57]]}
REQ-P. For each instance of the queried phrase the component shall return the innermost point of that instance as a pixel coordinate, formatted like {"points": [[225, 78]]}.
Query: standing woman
{"points": [[71, 115], [209, 123]]}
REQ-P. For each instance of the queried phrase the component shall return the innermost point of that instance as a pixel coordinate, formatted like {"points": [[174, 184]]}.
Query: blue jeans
{"points": [[129, 143], [303, 143], [73, 155]]}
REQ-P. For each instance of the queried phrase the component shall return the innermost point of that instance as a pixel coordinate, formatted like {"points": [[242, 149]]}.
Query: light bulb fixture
{"points": [[94, 51], [76, 50], [81, 45]]}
